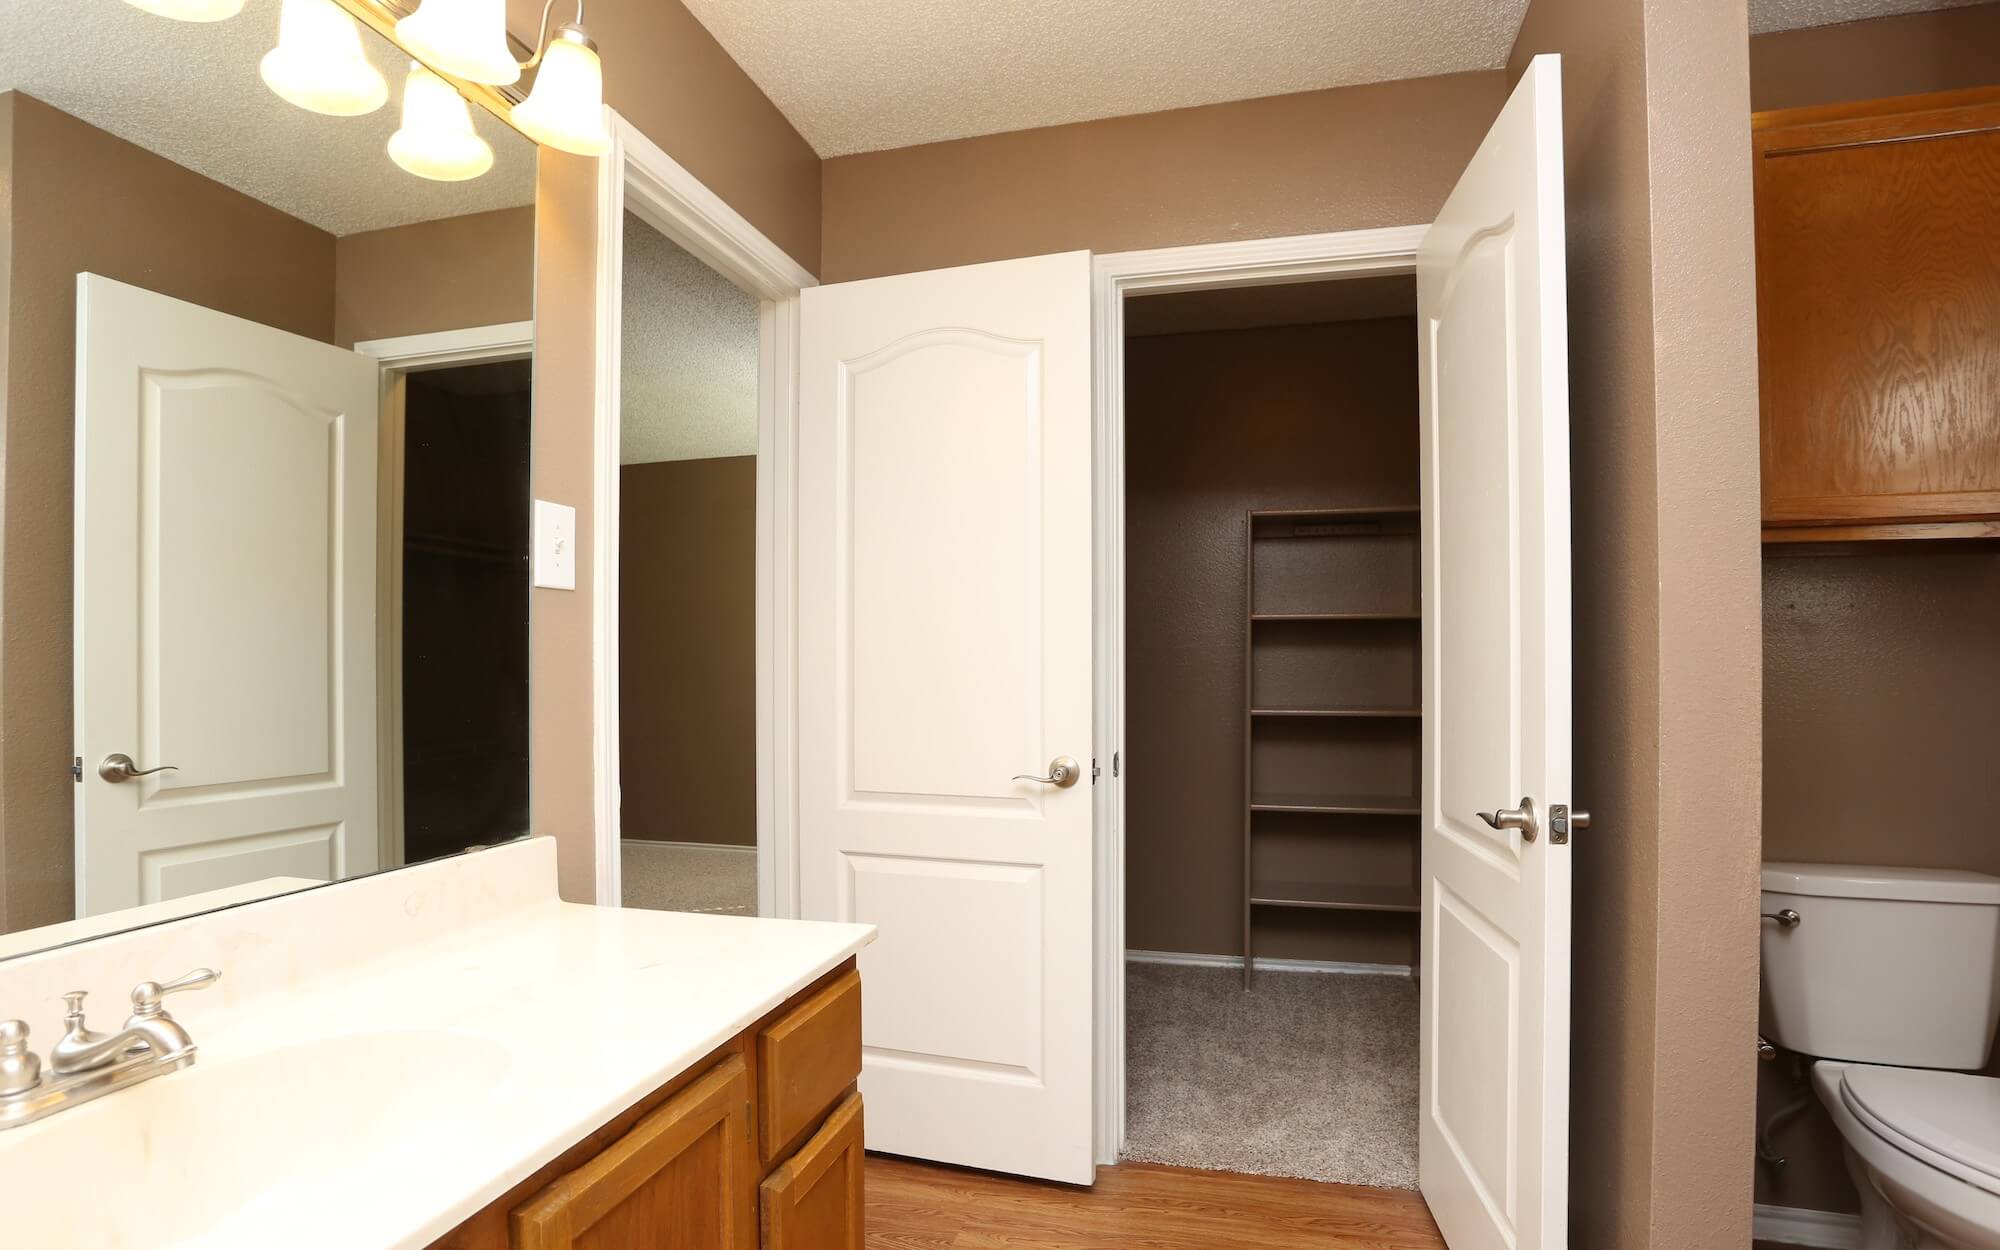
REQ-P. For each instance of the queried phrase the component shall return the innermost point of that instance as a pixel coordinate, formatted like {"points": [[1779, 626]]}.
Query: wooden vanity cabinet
{"points": [[758, 1144], [1878, 317]]}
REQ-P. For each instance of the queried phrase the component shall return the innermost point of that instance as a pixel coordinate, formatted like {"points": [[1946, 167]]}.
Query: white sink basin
{"points": [[188, 1152]]}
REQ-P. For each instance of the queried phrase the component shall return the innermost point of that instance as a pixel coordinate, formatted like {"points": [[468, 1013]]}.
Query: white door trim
{"points": [[636, 175], [1257, 262], [406, 354]]}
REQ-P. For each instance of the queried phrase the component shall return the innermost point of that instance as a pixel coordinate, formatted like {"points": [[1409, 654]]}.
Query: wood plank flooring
{"points": [[1135, 1206]]}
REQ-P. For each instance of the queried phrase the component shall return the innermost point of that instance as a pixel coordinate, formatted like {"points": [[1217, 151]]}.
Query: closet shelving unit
{"points": [[1332, 715]]}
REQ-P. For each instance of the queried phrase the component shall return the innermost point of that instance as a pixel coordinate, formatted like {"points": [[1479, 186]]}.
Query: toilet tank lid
{"points": [[1925, 885]]}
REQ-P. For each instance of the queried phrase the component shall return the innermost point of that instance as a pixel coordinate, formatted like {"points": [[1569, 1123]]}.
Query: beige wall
{"points": [[474, 270], [1889, 56], [1664, 474], [667, 75], [1345, 159], [85, 201]]}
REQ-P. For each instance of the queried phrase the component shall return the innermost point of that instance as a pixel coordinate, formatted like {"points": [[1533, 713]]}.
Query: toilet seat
{"points": [[1949, 1120]]}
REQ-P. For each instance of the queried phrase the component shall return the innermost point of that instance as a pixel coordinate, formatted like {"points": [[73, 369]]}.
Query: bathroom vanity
{"points": [[450, 1056]]}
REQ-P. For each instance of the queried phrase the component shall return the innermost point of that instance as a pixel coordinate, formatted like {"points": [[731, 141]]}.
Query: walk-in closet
{"points": [[1274, 709]]}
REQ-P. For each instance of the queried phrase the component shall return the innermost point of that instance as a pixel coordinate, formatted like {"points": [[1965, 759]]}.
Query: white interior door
{"points": [[945, 647], [1494, 1140], [225, 600]]}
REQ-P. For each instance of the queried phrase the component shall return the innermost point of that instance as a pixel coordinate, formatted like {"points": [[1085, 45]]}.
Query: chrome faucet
{"points": [[85, 1064]]}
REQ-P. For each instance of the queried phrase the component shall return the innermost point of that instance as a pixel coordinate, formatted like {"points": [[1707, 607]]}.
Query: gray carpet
{"points": [[668, 877], [1311, 1074]]}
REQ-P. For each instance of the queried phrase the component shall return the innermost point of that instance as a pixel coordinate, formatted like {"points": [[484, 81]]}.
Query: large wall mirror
{"points": [[265, 508]]}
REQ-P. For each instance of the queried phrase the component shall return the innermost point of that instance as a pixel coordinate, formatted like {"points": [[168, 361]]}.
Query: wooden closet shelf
{"points": [[1314, 514], [1336, 616], [1386, 712], [1339, 804], [1333, 896]]}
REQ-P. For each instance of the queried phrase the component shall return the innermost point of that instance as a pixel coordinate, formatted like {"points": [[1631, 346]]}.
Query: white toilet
{"points": [[1890, 978]]}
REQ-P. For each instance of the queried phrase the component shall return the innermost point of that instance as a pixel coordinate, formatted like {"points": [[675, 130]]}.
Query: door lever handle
{"points": [[1521, 818], [1063, 773], [119, 767]]}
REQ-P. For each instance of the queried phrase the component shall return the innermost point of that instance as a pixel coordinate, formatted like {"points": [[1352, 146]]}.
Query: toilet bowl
{"points": [[1890, 979], [1923, 1149]]}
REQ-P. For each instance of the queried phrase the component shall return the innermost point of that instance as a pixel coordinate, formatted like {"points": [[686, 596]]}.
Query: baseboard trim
{"points": [[1187, 960], [689, 846], [1799, 1226]]}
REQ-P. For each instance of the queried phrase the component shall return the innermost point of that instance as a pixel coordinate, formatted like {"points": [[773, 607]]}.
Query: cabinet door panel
{"points": [[806, 1061], [680, 1180], [814, 1201]]}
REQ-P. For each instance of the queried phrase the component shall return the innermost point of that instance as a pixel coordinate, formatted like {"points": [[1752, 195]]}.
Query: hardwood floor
{"points": [[1135, 1206]]}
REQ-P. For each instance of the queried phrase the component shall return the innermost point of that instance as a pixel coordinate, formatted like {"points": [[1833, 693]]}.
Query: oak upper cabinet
{"points": [[1878, 313], [681, 1179]]}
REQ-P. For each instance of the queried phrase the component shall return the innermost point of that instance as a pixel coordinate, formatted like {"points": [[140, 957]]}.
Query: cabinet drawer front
{"points": [[814, 1201], [806, 1061], [682, 1177]]}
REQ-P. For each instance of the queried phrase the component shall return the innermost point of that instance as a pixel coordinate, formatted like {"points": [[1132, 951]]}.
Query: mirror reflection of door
{"points": [[687, 582]]}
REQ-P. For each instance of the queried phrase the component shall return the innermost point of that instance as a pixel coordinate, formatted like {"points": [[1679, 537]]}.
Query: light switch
{"points": [[555, 545]]}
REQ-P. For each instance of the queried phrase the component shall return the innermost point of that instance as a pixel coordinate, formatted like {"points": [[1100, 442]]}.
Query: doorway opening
{"points": [[1273, 741], [687, 564]]}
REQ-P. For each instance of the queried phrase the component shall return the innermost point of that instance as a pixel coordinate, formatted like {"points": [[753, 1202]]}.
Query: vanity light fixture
{"points": [[565, 108], [464, 38], [319, 64], [437, 140], [190, 10]]}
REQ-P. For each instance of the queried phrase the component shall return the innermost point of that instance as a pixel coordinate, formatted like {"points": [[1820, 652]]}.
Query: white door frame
{"points": [[400, 357], [1256, 262], [636, 175]]}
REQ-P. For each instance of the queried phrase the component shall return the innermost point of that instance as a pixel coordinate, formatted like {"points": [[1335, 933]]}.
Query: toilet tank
{"points": [[1897, 966]]}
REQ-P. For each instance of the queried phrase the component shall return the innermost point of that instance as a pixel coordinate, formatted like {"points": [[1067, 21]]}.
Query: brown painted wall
{"points": [[1888, 56], [1664, 474], [687, 615], [1317, 416], [474, 270], [1344, 159], [85, 201], [668, 76]]}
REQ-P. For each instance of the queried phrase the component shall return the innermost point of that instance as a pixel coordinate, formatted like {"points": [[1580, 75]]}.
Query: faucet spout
{"points": [[158, 1039]]}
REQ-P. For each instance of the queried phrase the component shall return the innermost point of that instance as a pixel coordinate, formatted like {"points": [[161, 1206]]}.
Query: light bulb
{"points": [[190, 10], [566, 108], [437, 140], [318, 63], [464, 38]]}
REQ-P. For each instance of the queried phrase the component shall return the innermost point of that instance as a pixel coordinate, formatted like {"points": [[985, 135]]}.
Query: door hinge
{"points": [[1114, 763], [1094, 770], [76, 768]]}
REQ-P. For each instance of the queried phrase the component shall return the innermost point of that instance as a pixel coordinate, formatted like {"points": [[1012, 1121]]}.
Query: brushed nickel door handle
{"points": [[1063, 773], [1521, 818], [119, 767]]}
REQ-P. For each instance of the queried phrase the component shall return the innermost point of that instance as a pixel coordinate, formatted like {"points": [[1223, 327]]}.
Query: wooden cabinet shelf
{"points": [[1335, 896], [1339, 804], [1264, 617], [1359, 712]]}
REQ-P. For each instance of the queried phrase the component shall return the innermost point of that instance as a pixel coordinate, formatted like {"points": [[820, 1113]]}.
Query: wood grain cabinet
{"points": [[1878, 300], [758, 1144]]}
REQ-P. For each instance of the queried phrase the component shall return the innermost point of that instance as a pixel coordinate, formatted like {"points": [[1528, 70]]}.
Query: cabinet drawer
{"points": [[682, 1177], [806, 1061], [814, 1201]]}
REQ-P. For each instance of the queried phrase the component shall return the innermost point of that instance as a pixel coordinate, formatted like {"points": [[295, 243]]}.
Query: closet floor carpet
{"points": [[674, 876], [1310, 1074]]}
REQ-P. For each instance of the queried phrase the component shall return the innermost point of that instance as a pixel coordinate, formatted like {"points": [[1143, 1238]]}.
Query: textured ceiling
{"points": [[688, 369], [862, 75], [190, 92]]}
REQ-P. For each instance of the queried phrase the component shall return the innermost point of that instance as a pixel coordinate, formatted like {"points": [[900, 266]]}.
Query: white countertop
{"points": [[377, 1105]]}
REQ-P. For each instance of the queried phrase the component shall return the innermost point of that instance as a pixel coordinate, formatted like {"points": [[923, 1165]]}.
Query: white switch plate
{"points": [[555, 545]]}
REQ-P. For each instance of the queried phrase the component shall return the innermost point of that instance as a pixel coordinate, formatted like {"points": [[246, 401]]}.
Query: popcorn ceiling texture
{"points": [[688, 368], [865, 75], [190, 92]]}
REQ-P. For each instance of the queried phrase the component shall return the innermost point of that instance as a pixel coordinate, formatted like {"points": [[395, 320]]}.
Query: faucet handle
{"points": [[147, 994], [20, 1070]]}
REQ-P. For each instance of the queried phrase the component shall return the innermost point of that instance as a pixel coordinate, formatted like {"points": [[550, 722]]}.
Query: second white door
{"points": [[945, 655]]}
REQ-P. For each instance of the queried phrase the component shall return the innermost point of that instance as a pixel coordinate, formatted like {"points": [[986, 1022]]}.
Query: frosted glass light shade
{"points": [[566, 108], [318, 63], [464, 38], [437, 140], [190, 10]]}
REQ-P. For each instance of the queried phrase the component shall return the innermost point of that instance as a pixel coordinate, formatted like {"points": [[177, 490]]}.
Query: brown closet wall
{"points": [[687, 617], [1292, 417]]}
